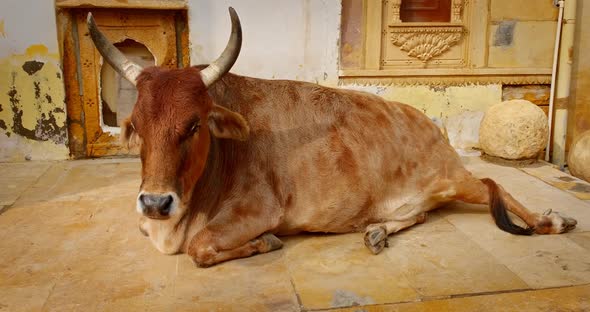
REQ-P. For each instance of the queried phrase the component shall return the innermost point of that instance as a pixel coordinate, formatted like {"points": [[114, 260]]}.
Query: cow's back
{"points": [[330, 157]]}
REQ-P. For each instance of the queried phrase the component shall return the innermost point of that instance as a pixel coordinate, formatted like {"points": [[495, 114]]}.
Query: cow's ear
{"points": [[224, 123], [128, 135]]}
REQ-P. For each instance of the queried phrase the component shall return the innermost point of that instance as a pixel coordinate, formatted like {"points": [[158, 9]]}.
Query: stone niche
{"points": [[425, 44]]}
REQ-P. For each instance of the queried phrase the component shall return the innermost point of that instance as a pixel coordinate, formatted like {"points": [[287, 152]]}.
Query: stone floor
{"points": [[69, 241]]}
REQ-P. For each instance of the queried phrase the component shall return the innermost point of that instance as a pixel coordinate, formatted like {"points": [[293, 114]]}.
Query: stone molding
{"points": [[123, 4], [455, 80], [457, 11]]}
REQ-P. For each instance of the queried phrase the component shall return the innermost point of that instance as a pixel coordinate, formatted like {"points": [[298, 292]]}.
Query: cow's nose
{"points": [[159, 203]]}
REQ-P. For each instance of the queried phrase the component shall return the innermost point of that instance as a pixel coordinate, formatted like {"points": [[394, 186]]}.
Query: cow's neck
{"points": [[215, 180], [218, 174]]}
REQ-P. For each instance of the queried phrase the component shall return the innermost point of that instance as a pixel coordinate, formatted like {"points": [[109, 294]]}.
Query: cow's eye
{"points": [[195, 127]]}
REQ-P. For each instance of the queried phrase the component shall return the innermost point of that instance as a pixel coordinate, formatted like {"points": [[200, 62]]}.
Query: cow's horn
{"points": [[111, 54], [227, 59]]}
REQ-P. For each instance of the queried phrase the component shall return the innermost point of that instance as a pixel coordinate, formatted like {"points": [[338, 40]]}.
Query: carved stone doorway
{"points": [[97, 98]]}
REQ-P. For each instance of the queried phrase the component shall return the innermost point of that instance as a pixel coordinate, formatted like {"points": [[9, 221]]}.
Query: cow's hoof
{"points": [[376, 238], [203, 257], [201, 264], [552, 222], [271, 242]]}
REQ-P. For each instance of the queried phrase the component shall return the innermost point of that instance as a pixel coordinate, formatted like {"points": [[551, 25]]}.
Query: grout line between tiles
{"points": [[457, 296], [7, 207], [44, 306], [301, 307], [287, 269], [555, 187]]}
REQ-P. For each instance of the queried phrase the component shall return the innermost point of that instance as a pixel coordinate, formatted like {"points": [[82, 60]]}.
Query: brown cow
{"points": [[228, 162]]}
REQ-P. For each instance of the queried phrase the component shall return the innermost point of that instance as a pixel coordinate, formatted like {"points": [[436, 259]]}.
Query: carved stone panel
{"points": [[425, 43]]}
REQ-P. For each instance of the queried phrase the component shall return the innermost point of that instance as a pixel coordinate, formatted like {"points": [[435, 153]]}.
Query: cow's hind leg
{"points": [[486, 191], [376, 234], [411, 213]]}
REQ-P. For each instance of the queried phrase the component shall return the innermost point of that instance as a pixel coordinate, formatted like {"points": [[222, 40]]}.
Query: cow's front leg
{"points": [[204, 253], [238, 231]]}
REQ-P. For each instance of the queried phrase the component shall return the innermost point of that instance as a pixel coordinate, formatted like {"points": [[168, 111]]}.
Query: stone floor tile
{"points": [[155, 301], [92, 279], [582, 239], [259, 283], [72, 180], [338, 271], [15, 178], [90, 252], [31, 297], [438, 261], [540, 260], [558, 299], [560, 180]]}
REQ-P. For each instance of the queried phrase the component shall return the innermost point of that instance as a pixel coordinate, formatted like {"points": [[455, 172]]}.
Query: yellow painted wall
{"points": [[32, 99], [522, 33], [440, 102]]}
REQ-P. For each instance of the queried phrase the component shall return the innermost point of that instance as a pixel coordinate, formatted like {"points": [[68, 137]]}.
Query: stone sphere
{"points": [[579, 157], [515, 129]]}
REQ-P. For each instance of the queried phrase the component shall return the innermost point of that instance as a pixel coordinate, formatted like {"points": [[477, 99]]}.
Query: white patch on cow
{"points": [[164, 235], [138, 203], [175, 202]]}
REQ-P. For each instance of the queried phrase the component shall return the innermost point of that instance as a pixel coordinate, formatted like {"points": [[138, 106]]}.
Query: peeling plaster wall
{"points": [[32, 98], [440, 102], [461, 108]]}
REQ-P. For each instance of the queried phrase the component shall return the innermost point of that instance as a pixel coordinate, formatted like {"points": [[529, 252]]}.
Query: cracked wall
{"points": [[32, 98]]}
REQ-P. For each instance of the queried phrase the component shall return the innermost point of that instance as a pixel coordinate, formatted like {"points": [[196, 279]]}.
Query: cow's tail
{"points": [[499, 211]]}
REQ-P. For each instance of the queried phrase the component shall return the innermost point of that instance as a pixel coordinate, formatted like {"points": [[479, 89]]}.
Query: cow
{"points": [[231, 162]]}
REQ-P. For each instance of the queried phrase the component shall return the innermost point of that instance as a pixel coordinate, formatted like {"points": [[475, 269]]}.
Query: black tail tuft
{"points": [[499, 212]]}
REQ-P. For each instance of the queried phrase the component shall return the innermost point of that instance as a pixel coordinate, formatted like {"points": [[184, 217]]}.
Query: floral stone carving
{"points": [[424, 43]]}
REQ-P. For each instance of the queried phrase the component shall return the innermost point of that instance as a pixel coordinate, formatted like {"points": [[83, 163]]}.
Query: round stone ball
{"points": [[579, 157], [515, 130]]}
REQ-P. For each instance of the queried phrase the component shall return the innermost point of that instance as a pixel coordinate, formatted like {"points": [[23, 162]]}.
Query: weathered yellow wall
{"points": [[522, 33], [440, 102], [32, 109]]}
